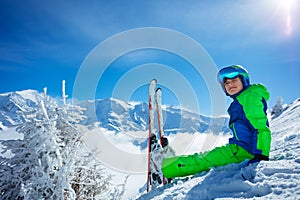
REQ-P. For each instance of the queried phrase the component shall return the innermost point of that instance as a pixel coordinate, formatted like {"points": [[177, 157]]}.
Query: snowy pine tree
{"points": [[33, 169], [87, 177], [90, 180], [277, 108], [49, 158]]}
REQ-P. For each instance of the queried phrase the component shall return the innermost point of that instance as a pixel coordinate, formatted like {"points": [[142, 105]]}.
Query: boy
{"points": [[248, 122]]}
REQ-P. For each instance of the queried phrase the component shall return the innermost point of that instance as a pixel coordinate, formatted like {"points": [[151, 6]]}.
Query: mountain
{"points": [[115, 115], [12, 105], [120, 116]]}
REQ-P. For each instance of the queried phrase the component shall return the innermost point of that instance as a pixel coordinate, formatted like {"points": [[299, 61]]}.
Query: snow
{"points": [[122, 151], [9, 134], [272, 180], [28, 94], [119, 154]]}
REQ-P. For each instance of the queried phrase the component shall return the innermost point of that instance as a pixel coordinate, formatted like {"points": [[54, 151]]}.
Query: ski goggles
{"points": [[230, 72]]}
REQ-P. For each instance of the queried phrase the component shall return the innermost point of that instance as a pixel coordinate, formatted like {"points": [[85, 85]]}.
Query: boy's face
{"points": [[233, 86]]}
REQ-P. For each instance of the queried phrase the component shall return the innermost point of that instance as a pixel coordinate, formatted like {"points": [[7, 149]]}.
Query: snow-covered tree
{"points": [[90, 180], [277, 108], [36, 161], [49, 161]]}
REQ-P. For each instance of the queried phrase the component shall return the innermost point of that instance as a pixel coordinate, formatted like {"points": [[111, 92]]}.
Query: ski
{"points": [[158, 94], [151, 97], [156, 150]]}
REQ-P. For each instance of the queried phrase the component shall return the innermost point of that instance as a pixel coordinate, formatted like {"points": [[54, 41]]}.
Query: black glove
{"points": [[153, 139], [164, 142], [258, 158]]}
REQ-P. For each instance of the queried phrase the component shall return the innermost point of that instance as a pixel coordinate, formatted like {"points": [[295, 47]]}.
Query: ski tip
{"points": [[158, 92], [154, 81]]}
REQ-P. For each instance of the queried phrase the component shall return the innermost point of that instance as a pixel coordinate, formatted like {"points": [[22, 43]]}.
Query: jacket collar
{"points": [[237, 94]]}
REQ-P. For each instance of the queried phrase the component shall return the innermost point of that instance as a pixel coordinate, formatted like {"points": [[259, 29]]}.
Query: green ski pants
{"points": [[180, 166]]}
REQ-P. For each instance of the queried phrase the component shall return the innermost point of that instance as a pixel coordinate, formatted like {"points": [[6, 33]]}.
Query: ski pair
{"points": [[156, 151]]}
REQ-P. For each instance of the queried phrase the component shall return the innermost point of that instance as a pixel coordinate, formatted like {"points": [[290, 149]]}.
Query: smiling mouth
{"points": [[232, 88]]}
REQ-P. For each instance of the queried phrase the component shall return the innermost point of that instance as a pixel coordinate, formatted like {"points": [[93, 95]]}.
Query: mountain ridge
{"points": [[115, 115]]}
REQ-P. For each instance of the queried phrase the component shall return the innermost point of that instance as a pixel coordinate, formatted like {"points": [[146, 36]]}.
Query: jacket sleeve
{"points": [[254, 109]]}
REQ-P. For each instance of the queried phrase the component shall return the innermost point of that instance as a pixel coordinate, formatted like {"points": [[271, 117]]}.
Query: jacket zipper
{"points": [[234, 132]]}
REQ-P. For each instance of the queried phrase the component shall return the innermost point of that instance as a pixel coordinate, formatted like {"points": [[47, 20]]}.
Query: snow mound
{"points": [[265, 180]]}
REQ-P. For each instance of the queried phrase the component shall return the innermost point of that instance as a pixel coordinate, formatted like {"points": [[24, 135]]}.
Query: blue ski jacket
{"points": [[248, 121]]}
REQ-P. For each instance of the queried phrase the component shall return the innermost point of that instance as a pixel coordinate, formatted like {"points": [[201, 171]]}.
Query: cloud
{"points": [[118, 152]]}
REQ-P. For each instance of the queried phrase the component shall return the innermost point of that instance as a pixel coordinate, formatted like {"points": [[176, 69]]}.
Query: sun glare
{"points": [[287, 5]]}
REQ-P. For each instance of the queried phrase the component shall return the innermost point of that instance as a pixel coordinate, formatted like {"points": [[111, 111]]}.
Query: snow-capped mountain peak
{"points": [[116, 115], [121, 116], [12, 104]]}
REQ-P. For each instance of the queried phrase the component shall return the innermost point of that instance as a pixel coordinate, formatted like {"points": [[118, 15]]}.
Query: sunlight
{"points": [[287, 5]]}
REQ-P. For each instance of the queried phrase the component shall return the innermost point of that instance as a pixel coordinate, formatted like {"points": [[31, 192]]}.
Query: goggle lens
{"points": [[230, 72]]}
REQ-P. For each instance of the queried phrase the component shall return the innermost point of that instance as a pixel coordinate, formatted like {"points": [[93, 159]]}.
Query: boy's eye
{"points": [[232, 81]]}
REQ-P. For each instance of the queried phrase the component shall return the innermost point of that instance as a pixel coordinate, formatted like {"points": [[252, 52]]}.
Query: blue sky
{"points": [[45, 42]]}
